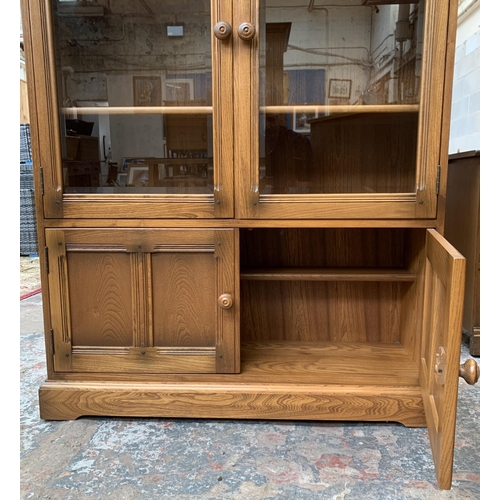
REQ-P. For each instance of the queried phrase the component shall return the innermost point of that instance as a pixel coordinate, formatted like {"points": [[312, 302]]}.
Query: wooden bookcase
{"points": [[305, 277]]}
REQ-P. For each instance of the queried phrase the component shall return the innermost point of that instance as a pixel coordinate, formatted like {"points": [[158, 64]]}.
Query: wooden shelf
{"points": [[342, 109], [177, 161], [326, 274], [328, 363], [140, 110]]}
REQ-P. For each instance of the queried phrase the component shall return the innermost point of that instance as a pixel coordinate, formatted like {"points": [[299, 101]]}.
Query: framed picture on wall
{"points": [[138, 175], [147, 91], [339, 89], [179, 90], [127, 161], [301, 121]]}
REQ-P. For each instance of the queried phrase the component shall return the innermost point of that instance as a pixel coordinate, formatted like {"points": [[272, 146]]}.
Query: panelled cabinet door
{"points": [[342, 107], [132, 107], [440, 354], [143, 301]]}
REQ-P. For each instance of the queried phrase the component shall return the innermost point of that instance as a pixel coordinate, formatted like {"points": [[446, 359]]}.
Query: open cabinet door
{"points": [[440, 355]]}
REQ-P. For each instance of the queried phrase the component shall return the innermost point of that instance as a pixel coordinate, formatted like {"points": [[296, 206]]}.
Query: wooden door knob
{"points": [[246, 31], [225, 301], [469, 371], [223, 30]]}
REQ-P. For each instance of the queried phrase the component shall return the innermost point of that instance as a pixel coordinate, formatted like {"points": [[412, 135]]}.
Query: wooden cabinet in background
{"points": [[462, 229]]}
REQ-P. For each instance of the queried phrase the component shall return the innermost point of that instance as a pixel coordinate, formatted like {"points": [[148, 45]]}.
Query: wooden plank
{"points": [[184, 299], [342, 110], [445, 279], [239, 223], [437, 17], [343, 311], [140, 110], [226, 281], [100, 296], [343, 363], [66, 400], [326, 274], [143, 360]]}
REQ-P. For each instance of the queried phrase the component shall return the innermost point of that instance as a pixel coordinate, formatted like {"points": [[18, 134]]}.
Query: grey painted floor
{"points": [[116, 458]]}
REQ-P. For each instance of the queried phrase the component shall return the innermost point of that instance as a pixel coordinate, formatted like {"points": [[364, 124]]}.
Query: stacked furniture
{"points": [[303, 275], [462, 230], [28, 232]]}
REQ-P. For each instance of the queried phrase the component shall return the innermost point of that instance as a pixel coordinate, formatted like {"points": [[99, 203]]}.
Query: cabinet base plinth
{"points": [[70, 400]]}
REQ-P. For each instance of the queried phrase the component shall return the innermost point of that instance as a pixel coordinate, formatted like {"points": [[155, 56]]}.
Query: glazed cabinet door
{"points": [[132, 108], [342, 104], [143, 301], [440, 353]]}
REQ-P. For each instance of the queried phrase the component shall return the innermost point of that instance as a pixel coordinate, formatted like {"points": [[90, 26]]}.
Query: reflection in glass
{"points": [[339, 96], [135, 92]]}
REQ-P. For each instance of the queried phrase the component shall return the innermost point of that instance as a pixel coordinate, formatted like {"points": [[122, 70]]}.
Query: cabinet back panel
{"points": [[372, 153], [320, 311], [330, 247], [101, 300]]}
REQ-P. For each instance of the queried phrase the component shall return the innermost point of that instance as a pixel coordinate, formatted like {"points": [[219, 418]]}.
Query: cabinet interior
{"points": [[335, 300]]}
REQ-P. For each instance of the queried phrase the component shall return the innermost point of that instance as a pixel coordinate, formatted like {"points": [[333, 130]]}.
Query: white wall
{"points": [[465, 111]]}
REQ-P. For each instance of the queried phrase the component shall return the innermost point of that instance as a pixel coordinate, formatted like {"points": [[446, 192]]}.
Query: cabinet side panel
{"points": [[100, 299], [412, 298]]}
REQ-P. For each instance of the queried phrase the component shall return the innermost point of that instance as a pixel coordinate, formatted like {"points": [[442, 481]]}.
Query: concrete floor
{"points": [[136, 459]]}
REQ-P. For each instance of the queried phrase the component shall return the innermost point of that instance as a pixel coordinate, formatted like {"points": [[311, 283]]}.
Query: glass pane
{"points": [[339, 96], [135, 93]]}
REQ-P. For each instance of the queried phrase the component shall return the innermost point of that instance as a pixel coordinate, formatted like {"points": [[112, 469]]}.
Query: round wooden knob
{"points": [[225, 301], [222, 30], [246, 31], [469, 371]]}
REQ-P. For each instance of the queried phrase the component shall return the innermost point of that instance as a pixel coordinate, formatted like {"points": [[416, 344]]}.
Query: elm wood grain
{"points": [[184, 299], [338, 248], [235, 223], [333, 207], [138, 239], [146, 289], [437, 58], [469, 371], [186, 133], [442, 321], [118, 206], [142, 110], [329, 363], [101, 298], [462, 230], [446, 112], [326, 274], [24, 113], [227, 283], [339, 110], [143, 360], [60, 312], [361, 153], [36, 136], [411, 301], [277, 37], [320, 311], [66, 401], [246, 114]]}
